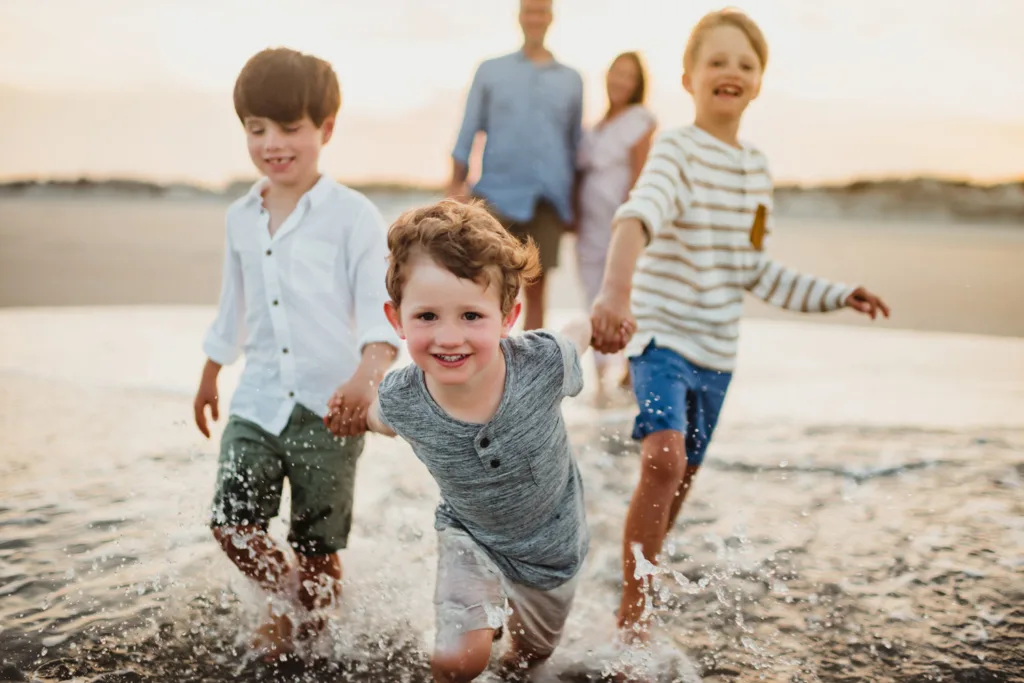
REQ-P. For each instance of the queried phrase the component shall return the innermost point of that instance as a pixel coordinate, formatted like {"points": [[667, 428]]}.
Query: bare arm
{"points": [[579, 332], [374, 422], [629, 237], [376, 359]]}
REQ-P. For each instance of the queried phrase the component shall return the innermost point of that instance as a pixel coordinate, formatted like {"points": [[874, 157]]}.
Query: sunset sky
{"points": [[142, 87]]}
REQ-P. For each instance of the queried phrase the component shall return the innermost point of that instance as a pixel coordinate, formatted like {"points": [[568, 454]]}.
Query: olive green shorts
{"points": [[545, 228], [320, 468]]}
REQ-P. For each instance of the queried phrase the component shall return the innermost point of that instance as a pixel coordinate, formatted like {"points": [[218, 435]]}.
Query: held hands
{"points": [[613, 323], [863, 301], [348, 407]]}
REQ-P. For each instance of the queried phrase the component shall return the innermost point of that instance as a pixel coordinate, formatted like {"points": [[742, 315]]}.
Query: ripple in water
{"points": [[805, 554]]}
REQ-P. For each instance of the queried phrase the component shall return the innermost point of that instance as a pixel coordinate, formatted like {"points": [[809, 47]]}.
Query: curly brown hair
{"points": [[468, 241], [284, 85]]}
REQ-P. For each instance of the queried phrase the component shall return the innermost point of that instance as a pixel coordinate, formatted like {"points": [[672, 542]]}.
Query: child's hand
{"points": [[205, 396], [863, 301], [613, 323], [347, 408]]}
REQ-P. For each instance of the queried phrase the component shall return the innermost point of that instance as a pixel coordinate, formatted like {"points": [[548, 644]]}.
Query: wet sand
{"points": [[89, 252]]}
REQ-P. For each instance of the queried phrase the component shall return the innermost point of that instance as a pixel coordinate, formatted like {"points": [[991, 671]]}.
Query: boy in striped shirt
{"points": [[696, 221]]}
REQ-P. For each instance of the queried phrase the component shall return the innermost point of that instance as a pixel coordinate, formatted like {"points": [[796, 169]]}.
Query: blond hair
{"points": [[466, 240], [725, 17]]}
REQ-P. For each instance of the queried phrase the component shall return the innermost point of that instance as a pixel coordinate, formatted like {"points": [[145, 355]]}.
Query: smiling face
{"points": [[287, 154], [452, 326], [623, 81], [725, 75]]}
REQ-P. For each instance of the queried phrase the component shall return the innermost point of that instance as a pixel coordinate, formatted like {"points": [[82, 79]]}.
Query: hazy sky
{"points": [[852, 88]]}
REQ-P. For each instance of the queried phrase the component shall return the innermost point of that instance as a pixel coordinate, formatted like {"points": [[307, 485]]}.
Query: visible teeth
{"points": [[450, 359]]}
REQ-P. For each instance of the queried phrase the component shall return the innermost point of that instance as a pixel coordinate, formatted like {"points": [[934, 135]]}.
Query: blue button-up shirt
{"points": [[533, 117]]}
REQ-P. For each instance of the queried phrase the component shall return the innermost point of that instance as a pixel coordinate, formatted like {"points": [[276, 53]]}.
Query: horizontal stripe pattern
{"points": [[696, 198]]}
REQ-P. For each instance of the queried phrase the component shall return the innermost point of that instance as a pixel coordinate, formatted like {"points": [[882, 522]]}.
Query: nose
{"points": [[272, 138], [449, 335]]}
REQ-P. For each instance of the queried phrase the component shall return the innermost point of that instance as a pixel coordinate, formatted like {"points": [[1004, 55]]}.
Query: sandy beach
{"points": [[96, 252], [859, 518]]}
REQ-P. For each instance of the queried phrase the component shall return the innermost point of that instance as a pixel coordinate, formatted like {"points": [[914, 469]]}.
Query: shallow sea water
{"points": [[834, 535]]}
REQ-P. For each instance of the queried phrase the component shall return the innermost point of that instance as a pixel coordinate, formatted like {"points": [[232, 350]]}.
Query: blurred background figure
{"points": [[609, 160], [530, 106]]}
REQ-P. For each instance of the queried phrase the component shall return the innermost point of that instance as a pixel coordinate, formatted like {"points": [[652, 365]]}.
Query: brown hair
{"points": [[640, 91], [466, 240], [726, 17], [284, 86]]}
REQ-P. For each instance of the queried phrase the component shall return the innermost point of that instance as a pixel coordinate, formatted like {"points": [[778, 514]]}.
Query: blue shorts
{"points": [[673, 393]]}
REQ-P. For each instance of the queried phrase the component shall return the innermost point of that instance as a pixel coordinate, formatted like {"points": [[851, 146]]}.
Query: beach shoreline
{"points": [[86, 252]]}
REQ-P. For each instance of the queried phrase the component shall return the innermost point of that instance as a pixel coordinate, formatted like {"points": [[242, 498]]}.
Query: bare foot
{"points": [[273, 640], [632, 639]]}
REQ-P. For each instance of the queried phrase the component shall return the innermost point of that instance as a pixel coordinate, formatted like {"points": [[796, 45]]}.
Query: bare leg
{"points": [[468, 659], [319, 588], [258, 557], [662, 472], [684, 488], [534, 304], [521, 657]]}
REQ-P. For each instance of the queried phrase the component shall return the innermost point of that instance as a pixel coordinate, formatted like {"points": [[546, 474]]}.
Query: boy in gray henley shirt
{"points": [[482, 410]]}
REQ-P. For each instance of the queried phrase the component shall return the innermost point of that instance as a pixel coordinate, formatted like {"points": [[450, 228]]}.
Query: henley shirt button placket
{"points": [[484, 443]]}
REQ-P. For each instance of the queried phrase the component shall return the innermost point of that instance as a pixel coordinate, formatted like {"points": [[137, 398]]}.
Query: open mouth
{"points": [[278, 163], [451, 360], [728, 91]]}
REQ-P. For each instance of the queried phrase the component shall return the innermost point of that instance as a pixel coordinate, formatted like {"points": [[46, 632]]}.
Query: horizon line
{"points": [[407, 184]]}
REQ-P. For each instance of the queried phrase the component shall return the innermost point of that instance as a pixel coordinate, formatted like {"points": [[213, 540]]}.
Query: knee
{"points": [[459, 667], [664, 459]]}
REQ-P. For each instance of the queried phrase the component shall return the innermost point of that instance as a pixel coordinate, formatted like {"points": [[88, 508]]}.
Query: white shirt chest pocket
{"points": [[313, 266]]}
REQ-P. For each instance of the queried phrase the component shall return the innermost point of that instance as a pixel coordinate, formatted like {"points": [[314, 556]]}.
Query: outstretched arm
{"points": [[579, 332], [788, 289], [374, 422]]}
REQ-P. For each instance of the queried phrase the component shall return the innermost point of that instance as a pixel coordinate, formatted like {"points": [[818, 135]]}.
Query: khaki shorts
{"points": [[321, 471], [546, 228], [472, 593]]}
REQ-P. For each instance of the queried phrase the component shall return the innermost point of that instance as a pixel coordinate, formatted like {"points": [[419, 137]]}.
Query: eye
{"points": [[471, 316], [255, 131], [427, 317], [291, 129], [717, 62]]}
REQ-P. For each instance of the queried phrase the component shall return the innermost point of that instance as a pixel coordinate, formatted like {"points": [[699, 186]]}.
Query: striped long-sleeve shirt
{"points": [[697, 198]]}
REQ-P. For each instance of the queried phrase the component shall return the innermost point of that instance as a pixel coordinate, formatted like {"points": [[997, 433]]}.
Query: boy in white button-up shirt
{"points": [[303, 297]]}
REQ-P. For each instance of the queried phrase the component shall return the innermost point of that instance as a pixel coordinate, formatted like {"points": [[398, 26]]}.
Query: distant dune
{"points": [[928, 199]]}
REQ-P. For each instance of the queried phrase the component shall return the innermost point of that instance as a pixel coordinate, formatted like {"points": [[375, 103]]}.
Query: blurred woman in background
{"points": [[610, 157]]}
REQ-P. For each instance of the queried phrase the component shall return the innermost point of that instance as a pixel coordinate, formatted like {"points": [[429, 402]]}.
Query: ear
{"points": [[391, 311], [326, 130], [687, 83], [510, 319]]}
